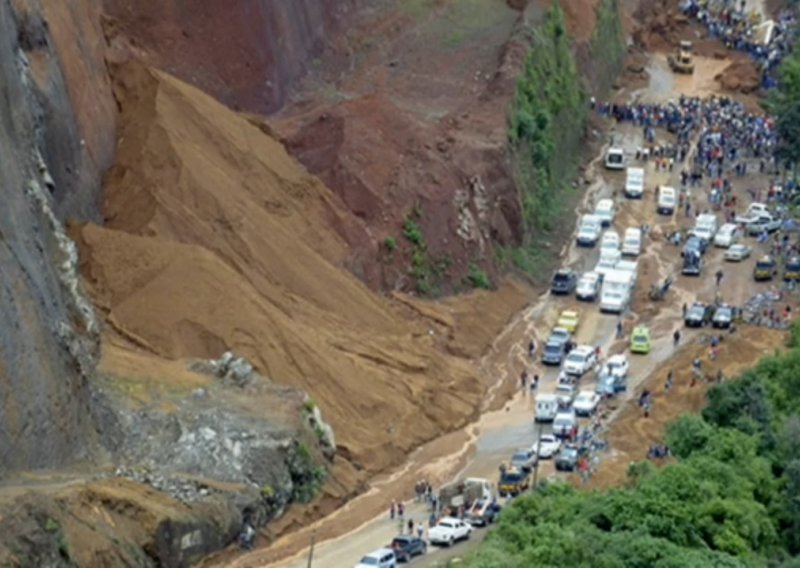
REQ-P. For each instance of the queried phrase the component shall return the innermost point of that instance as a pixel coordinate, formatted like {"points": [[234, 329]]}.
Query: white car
{"points": [[667, 201], [580, 360], [586, 403], [589, 230], [632, 242], [605, 210], [610, 240], [737, 252], [728, 235], [617, 365], [589, 286], [547, 446], [448, 531], [615, 159], [565, 393], [609, 258], [381, 558]]}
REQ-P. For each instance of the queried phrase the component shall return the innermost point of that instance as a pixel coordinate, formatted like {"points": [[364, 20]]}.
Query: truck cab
{"points": [[513, 481]]}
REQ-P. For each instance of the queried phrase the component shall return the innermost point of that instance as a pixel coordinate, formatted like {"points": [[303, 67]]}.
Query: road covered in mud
{"points": [[478, 450]]}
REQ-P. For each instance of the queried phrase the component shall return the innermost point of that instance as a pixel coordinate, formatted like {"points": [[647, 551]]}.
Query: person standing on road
{"points": [[719, 275], [400, 510], [668, 384], [523, 379], [534, 383], [392, 510], [411, 527], [619, 329]]}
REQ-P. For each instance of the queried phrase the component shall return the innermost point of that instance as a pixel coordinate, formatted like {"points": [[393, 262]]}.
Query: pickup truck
{"points": [[761, 223], [754, 211], [448, 531]]}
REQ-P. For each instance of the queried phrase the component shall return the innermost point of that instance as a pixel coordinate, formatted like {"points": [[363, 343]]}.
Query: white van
{"points": [[381, 558], [546, 407], [615, 159], [629, 266], [634, 183], [605, 210], [705, 227], [610, 240], [632, 242], [608, 261], [667, 201], [616, 293]]}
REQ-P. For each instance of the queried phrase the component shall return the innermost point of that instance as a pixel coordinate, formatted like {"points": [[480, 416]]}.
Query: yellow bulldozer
{"points": [[681, 61]]}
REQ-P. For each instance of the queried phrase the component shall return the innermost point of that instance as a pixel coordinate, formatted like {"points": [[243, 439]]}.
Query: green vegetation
{"points": [[267, 491], [784, 103], [309, 405], [429, 274], [545, 130], [307, 476], [731, 500], [51, 525], [390, 243], [608, 45], [477, 278]]}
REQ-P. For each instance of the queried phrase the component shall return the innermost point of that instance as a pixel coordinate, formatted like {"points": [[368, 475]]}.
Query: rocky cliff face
{"points": [[249, 62], [50, 170]]}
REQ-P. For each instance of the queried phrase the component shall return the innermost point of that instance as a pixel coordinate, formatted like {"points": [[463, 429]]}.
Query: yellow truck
{"points": [[682, 60], [513, 481]]}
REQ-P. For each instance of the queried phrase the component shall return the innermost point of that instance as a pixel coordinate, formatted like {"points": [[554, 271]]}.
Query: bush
{"points": [[390, 243], [478, 278], [413, 233]]}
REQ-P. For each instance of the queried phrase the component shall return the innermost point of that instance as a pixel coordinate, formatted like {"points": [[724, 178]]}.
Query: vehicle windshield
{"points": [[552, 348], [399, 543], [667, 198], [560, 334], [519, 456], [696, 312], [613, 295], [614, 158], [576, 357], [764, 264], [510, 478], [640, 338], [724, 312], [562, 423], [584, 398], [369, 561], [793, 264], [561, 277], [446, 524], [569, 453]]}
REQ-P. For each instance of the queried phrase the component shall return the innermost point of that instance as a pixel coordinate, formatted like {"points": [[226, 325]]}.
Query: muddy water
{"points": [[478, 450]]}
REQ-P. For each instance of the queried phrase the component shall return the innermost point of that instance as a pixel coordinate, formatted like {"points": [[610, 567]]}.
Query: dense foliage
{"points": [[733, 498], [547, 122], [783, 102]]}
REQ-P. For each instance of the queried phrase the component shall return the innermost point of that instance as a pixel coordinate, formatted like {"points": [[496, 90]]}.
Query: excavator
{"points": [[681, 61]]}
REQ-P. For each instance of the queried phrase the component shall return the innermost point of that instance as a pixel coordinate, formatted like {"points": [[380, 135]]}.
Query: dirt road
{"points": [[477, 451]]}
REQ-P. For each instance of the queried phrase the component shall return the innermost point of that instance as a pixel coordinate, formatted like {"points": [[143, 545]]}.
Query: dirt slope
{"points": [[216, 240]]}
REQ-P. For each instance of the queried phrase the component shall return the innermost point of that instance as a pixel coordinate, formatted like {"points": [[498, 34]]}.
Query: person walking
{"points": [[400, 510], [392, 510], [523, 379], [719, 275], [534, 382], [411, 526], [619, 329], [668, 383], [676, 337], [531, 348]]}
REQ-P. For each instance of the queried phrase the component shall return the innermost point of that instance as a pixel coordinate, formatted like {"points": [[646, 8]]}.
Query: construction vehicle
{"points": [[459, 496], [682, 60]]}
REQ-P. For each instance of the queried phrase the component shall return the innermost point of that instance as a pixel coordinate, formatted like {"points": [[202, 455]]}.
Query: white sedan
{"points": [[580, 360], [548, 446], [586, 403], [448, 531], [738, 253]]}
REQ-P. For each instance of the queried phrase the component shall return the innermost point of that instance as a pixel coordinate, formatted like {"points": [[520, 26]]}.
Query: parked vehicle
{"points": [[640, 339], [381, 558], [667, 201], [462, 493], [615, 294], [791, 270], [630, 266], [560, 334], [617, 365], [727, 235], [705, 227], [608, 261], [406, 547], [692, 264], [764, 222], [564, 281], [609, 385], [615, 159], [632, 242], [554, 352], [694, 244], [547, 446], [448, 531], [765, 269], [524, 458], [634, 183], [580, 360], [565, 426], [609, 240], [586, 403], [698, 315], [589, 231], [546, 407], [588, 287], [569, 320], [483, 512], [753, 212], [566, 393], [723, 316], [513, 482], [605, 210], [738, 252], [569, 456]]}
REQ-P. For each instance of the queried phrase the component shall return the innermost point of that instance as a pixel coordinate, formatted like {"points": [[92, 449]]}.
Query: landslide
{"points": [[215, 239]]}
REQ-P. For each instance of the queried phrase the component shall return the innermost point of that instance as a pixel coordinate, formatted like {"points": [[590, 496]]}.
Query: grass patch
{"points": [[477, 278]]}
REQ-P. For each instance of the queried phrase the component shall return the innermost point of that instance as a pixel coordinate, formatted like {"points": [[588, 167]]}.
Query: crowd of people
{"points": [[741, 29]]}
